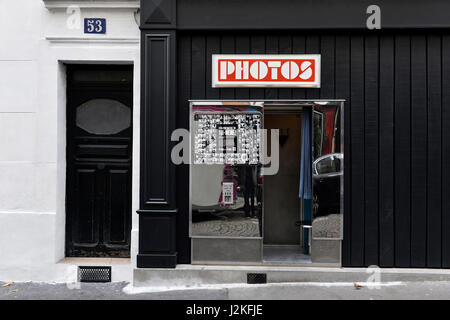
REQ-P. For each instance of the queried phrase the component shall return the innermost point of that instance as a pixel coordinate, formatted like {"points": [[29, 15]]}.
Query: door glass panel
{"points": [[103, 116]]}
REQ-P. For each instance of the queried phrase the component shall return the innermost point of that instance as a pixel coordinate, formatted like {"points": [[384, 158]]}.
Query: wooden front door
{"points": [[99, 154]]}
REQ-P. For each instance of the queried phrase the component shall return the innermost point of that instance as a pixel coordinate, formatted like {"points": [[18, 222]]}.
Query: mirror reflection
{"points": [[226, 182], [226, 200], [327, 172]]}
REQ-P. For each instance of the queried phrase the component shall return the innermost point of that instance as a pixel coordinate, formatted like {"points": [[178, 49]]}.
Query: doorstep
{"points": [[200, 275], [95, 261], [121, 268]]}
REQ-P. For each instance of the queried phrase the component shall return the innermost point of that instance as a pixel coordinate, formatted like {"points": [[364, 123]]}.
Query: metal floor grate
{"points": [[94, 274], [255, 278]]}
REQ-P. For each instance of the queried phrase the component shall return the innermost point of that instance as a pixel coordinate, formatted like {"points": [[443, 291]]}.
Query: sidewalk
{"points": [[283, 291]]}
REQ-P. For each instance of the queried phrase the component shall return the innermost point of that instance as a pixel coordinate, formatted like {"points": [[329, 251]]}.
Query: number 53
{"points": [[94, 26]]}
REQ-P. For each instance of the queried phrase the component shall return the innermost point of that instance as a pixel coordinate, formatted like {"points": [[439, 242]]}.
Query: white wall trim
{"points": [[92, 40], [53, 4], [35, 213]]}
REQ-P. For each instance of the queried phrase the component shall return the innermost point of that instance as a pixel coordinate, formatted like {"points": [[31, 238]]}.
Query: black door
{"points": [[99, 149]]}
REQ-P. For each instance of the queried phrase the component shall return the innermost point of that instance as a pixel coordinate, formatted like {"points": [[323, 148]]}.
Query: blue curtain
{"points": [[305, 191]]}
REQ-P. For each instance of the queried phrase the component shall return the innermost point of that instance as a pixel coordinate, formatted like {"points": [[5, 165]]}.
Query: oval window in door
{"points": [[103, 116]]}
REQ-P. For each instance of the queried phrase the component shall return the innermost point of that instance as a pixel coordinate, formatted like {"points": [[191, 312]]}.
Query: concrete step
{"points": [[197, 275]]}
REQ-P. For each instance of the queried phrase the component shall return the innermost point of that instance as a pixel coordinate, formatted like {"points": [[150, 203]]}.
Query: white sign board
{"points": [[269, 70]]}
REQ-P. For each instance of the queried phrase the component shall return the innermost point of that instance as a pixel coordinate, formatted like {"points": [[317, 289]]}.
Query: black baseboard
{"points": [[157, 260]]}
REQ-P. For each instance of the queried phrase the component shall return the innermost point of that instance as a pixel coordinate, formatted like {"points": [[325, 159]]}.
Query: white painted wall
{"points": [[36, 44]]}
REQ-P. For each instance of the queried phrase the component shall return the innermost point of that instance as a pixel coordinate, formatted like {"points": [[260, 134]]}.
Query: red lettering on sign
{"points": [[260, 70]]}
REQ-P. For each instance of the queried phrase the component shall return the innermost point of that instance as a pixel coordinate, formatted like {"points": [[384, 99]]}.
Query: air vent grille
{"points": [[255, 278], [94, 274]]}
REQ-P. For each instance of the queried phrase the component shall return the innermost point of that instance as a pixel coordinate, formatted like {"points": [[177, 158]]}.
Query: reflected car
{"points": [[327, 172]]}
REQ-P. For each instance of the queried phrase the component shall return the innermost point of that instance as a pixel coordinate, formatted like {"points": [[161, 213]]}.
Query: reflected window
{"points": [[318, 133], [103, 116]]}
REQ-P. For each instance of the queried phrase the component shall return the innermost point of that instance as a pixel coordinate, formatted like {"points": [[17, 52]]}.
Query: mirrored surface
{"points": [[226, 182], [327, 171], [226, 200]]}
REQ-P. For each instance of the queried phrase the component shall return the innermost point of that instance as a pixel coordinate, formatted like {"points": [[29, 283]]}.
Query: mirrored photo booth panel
{"points": [[226, 183], [327, 182], [229, 207]]}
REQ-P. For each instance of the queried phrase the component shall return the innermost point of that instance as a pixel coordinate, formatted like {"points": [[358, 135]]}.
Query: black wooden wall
{"points": [[397, 132]]}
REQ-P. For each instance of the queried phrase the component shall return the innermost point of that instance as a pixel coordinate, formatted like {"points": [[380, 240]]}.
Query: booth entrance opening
{"points": [[243, 214], [283, 208]]}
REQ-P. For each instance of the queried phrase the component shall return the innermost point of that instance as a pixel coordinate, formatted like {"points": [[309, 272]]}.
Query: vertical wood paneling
{"points": [[184, 81], [313, 46], [402, 151], [285, 47], [342, 81], [228, 46], [371, 65], [386, 153], [358, 147], [212, 47], [298, 47], [257, 46], [271, 48], [418, 151], [198, 82], [397, 129], [327, 60], [434, 152], [242, 47], [445, 151], [182, 172]]}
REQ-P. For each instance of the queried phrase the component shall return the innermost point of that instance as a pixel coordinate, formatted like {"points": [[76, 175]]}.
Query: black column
{"points": [[158, 209]]}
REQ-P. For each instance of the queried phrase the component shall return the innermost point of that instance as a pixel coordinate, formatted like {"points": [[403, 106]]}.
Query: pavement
{"points": [[436, 290]]}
